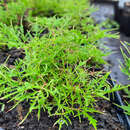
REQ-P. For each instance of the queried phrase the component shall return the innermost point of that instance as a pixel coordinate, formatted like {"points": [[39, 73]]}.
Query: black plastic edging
{"points": [[104, 1], [123, 118]]}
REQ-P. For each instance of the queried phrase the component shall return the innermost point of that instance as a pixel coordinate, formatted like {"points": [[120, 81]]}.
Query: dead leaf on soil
{"points": [[19, 110]]}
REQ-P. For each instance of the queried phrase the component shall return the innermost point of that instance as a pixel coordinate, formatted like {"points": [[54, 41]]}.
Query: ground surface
{"points": [[9, 120]]}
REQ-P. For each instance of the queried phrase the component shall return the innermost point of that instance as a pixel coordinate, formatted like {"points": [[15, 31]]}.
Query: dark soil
{"points": [[9, 120], [12, 55], [48, 14]]}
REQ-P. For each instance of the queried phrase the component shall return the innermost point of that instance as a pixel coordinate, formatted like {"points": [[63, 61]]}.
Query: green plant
{"points": [[127, 109], [58, 73], [126, 66], [56, 67], [2, 107], [126, 70], [110, 24], [13, 12]]}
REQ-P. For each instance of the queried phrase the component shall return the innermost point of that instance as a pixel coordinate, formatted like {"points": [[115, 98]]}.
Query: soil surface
{"points": [[9, 120], [12, 55]]}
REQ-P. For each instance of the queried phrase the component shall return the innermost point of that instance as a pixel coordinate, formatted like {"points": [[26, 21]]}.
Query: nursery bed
{"points": [[9, 119]]}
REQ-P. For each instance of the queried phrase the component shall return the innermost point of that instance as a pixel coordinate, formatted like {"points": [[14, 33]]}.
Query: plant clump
{"points": [[61, 70]]}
